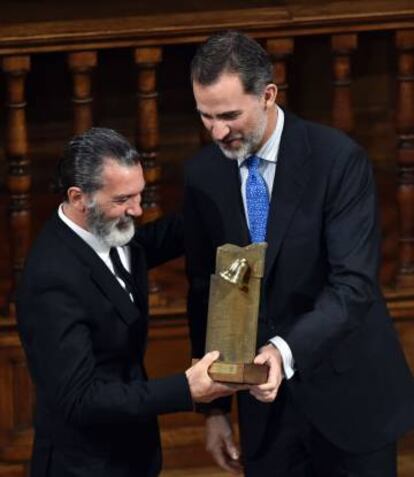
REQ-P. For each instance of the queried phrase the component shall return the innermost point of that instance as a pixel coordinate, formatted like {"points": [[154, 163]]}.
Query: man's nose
{"points": [[219, 130], [134, 208]]}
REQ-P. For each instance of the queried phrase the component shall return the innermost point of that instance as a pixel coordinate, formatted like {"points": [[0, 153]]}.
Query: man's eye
{"points": [[231, 116], [121, 200]]}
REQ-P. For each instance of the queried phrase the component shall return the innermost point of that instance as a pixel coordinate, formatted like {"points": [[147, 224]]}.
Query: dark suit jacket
{"points": [[85, 341], [320, 291]]}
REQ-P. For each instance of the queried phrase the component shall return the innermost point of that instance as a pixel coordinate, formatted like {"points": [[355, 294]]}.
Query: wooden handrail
{"points": [[150, 25]]}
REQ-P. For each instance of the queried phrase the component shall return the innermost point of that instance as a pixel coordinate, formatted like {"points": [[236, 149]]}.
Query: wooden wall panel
{"points": [[16, 403], [405, 330]]}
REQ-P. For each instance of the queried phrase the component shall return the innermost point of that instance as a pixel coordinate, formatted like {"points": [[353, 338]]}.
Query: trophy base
{"points": [[238, 373]]}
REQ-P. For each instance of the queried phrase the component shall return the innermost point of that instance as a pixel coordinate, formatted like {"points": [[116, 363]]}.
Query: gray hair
{"points": [[85, 155]]}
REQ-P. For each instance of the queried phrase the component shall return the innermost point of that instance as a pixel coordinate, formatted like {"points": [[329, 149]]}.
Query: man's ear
{"points": [[77, 199], [270, 95]]}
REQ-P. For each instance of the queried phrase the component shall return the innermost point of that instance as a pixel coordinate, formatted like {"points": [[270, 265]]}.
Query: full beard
{"points": [[249, 143], [112, 232]]}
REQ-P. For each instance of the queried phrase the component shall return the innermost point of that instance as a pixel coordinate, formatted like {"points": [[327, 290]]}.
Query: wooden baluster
{"points": [[342, 112], [280, 49], [81, 65], [147, 140], [147, 60], [18, 175], [405, 156]]}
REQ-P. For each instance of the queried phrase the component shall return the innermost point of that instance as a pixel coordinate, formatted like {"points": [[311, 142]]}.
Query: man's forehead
{"points": [[225, 84], [224, 96], [111, 165], [115, 173]]}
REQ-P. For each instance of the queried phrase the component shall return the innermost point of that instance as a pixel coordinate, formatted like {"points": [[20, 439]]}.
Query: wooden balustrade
{"points": [[18, 176], [342, 113], [148, 139], [280, 50], [148, 134], [405, 155], [81, 64]]}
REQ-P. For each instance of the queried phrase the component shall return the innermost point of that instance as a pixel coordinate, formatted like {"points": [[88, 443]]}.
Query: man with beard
{"points": [[82, 313], [339, 392]]}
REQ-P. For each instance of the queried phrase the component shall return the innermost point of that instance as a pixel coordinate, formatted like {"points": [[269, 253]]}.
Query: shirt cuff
{"points": [[286, 353]]}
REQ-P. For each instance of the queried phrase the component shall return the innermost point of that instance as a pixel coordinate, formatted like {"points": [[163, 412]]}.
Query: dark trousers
{"points": [[292, 447]]}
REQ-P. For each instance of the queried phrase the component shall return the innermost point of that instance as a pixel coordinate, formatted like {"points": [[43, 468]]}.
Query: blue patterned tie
{"points": [[257, 200]]}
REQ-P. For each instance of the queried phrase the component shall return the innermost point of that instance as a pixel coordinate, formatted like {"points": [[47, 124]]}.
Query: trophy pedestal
{"points": [[238, 373]]}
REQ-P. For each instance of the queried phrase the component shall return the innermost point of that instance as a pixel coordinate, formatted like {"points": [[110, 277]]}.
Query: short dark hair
{"points": [[233, 52], [84, 157]]}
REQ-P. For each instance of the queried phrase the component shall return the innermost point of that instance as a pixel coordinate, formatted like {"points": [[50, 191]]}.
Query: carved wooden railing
{"points": [[145, 33]]}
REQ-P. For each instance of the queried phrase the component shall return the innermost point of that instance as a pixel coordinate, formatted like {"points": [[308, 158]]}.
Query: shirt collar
{"points": [[97, 245], [270, 149]]}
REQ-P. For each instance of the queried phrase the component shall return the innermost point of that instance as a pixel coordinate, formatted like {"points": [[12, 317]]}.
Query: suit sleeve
{"points": [[351, 245], [162, 239], [198, 269], [56, 334], [200, 263]]}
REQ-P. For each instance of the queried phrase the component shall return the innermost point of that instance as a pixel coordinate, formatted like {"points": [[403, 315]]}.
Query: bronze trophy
{"points": [[233, 313]]}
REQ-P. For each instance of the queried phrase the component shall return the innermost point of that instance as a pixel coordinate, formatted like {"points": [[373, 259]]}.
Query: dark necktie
{"points": [[257, 200], [123, 274]]}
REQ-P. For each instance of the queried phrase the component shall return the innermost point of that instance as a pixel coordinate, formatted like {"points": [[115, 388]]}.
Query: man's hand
{"points": [[220, 443], [267, 392], [202, 387]]}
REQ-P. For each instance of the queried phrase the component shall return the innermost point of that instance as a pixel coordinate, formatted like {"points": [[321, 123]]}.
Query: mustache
{"points": [[124, 221], [229, 139]]}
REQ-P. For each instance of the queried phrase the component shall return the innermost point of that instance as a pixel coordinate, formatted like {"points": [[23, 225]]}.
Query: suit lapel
{"points": [[236, 230], [99, 272], [139, 274], [289, 184]]}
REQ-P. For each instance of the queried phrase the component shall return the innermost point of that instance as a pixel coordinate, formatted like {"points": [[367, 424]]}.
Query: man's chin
{"points": [[120, 237], [234, 154]]}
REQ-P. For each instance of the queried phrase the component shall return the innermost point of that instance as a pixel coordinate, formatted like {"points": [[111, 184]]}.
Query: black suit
{"points": [[85, 340], [320, 291]]}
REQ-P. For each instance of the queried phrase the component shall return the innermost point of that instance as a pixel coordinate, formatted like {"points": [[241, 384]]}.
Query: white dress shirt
{"points": [[101, 249], [267, 168]]}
